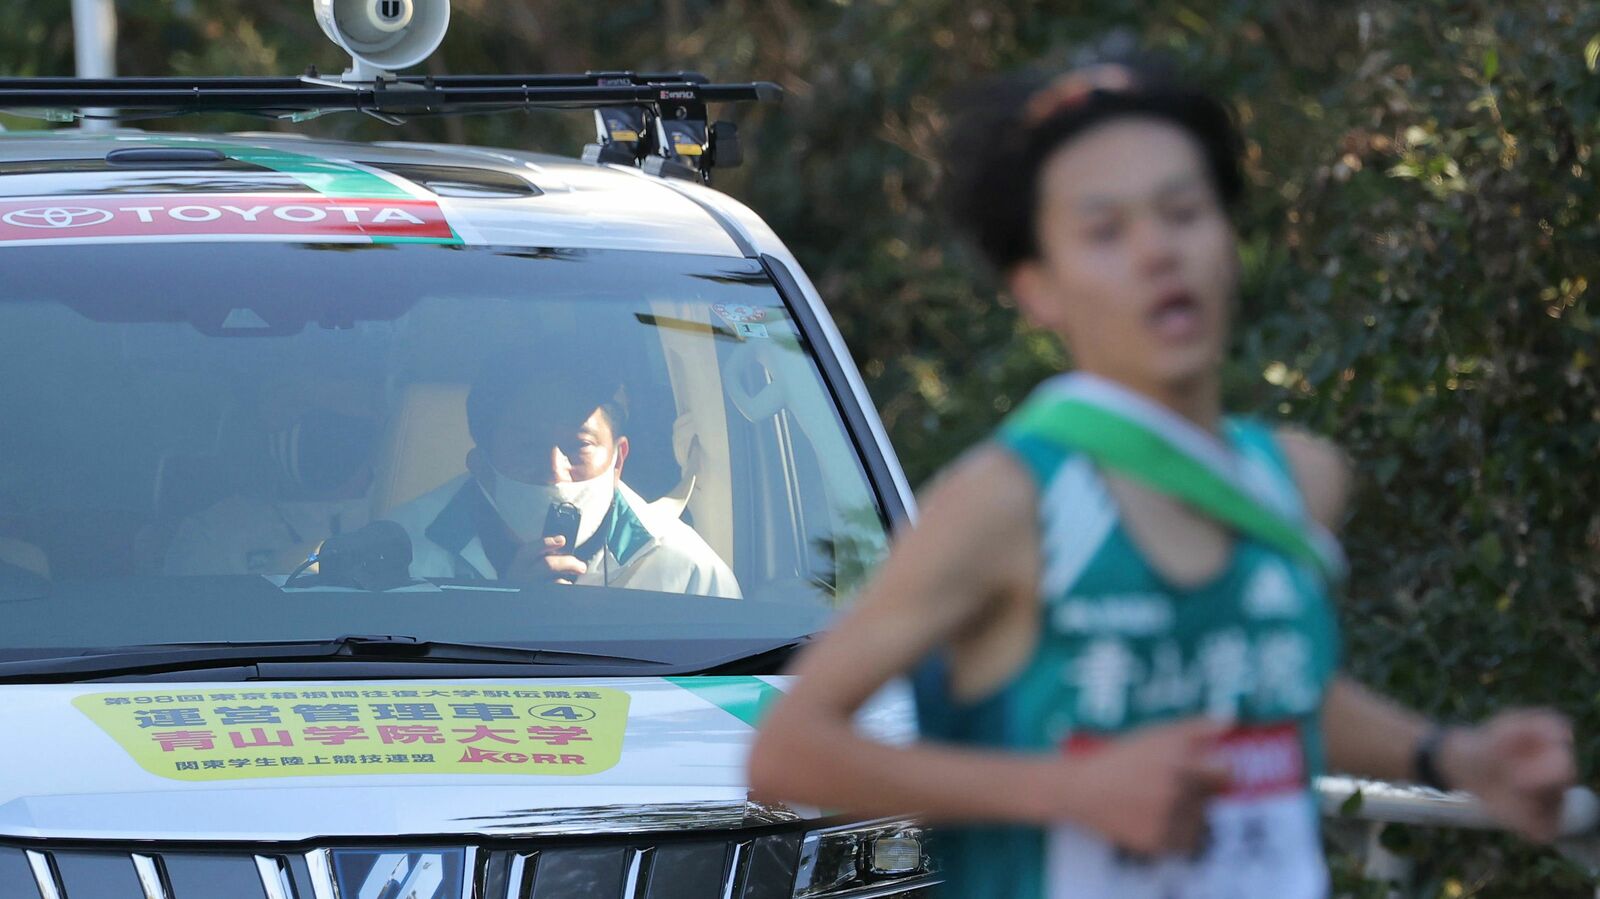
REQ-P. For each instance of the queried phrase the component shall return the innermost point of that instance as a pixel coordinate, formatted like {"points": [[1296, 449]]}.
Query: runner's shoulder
{"points": [[1322, 471]]}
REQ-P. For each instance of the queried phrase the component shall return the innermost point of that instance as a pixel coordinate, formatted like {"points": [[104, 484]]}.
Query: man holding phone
{"points": [[544, 499]]}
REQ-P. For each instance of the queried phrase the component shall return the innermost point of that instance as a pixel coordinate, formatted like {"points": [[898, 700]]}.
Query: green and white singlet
{"points": [[1121, 648]]}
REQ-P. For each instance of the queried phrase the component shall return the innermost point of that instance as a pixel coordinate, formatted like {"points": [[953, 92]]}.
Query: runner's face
{"points": [[1138, 262]]}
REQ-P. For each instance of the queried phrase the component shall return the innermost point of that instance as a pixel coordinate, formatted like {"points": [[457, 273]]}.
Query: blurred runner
{"points": [[1117, 609]]}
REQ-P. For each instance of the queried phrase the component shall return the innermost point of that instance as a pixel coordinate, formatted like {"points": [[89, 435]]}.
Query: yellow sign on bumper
{"points": [[394, 729]]}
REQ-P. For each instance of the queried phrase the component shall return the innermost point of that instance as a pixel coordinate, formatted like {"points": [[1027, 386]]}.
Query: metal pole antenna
{"points": [[94, 29]]}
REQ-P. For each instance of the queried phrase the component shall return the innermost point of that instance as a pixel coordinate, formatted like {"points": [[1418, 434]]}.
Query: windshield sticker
{"points": [[404, 729], [745, 320], [311, 217]]}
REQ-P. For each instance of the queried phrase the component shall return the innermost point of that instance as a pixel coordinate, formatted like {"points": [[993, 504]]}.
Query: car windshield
{"points": [[255, 442]]}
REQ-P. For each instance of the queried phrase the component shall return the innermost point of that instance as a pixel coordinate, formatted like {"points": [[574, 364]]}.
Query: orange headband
{"points": [[1073, 88]]}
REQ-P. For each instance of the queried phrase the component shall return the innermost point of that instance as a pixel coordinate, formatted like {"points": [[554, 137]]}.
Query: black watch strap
{"points": [[1425, 759]]}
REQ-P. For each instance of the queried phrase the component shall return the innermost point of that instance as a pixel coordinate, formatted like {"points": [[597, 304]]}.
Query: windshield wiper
{"points": [[165, 657], [761, 660]]}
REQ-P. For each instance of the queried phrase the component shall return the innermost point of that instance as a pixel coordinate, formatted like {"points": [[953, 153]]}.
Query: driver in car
{"points": [[549, 429]]}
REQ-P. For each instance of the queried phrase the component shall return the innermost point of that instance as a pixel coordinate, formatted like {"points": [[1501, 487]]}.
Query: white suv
{"points": [[234, 369]]}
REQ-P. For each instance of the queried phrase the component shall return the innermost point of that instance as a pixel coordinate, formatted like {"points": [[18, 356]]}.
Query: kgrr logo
{"points": [[57, 217]]}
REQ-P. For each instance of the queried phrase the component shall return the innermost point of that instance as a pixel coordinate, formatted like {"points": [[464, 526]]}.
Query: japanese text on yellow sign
{"points": [[403, 729]]}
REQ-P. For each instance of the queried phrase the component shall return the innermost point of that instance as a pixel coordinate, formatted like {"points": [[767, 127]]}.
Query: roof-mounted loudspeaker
{"points": [[383, 36]]}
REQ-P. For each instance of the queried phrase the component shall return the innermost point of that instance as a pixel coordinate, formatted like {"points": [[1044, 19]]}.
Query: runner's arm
{"points": [[1519, 762], [1368, 735], [1322, 474], [973, 544], [1365, 734]]}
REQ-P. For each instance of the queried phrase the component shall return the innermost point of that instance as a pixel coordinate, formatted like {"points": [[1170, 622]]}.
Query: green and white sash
{"points": [[1124, 432]]}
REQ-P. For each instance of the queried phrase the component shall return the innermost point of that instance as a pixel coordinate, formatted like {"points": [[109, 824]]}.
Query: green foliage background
{"points": [[1421, 243]]}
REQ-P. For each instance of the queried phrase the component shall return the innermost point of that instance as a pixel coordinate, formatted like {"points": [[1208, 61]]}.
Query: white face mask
{"points": [[523, 507]]}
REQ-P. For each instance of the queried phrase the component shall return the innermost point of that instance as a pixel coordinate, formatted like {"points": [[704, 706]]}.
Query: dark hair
{"points": [[1007, 128], [571, 385]]}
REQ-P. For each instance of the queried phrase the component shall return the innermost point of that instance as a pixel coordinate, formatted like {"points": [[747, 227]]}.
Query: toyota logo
{"points": [[56, 217]]}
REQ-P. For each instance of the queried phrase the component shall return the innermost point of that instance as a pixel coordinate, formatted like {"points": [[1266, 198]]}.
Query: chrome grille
{"points": [[673, 867]]}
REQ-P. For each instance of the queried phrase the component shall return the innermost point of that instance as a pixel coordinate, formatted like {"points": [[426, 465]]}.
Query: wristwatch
{"points": [[1425, 758]]}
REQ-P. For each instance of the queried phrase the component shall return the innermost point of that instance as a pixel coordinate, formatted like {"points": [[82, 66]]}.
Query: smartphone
{"points": [[562, 521]]}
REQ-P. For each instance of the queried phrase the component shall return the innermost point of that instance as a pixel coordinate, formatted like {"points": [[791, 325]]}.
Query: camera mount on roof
{"points": [[656, 121], [673, 136]]}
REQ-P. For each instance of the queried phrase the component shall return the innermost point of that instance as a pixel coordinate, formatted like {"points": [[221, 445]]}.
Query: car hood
{"points": [[117, 761]]}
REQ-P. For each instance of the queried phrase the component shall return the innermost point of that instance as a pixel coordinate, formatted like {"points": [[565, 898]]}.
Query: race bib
{"points": [[1263, 841]]}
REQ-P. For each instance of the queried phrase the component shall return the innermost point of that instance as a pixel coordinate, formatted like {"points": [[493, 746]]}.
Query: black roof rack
{"points": [[654, 120]]}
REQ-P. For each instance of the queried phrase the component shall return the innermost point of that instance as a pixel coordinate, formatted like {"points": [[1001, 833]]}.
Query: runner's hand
{"points": [[1520, 764], [544, 561], [1147, 792]]}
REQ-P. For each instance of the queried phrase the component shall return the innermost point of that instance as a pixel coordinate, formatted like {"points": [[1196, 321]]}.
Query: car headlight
{"points": [[837, 861]]}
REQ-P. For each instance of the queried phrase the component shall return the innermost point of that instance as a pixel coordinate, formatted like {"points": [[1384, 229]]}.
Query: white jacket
{"points": [[247, 535], [644, 548]]}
